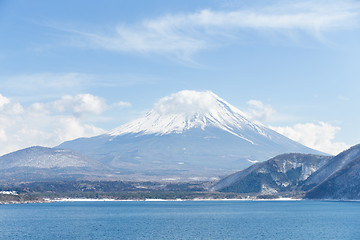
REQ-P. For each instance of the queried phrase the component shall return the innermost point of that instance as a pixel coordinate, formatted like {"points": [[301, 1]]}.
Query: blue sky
{"points": [[81, 68]]}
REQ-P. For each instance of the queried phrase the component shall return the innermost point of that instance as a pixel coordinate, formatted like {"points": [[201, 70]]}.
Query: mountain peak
{"points": [[188, 135], [189, 109], [188, 102]]}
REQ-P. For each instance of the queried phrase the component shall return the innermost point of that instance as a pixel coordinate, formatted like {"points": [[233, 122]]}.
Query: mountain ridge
{"points": [[206, 110], [304, 175], [42, 163], [336, 164], [339, 179], [188, 134], [283, 173]]}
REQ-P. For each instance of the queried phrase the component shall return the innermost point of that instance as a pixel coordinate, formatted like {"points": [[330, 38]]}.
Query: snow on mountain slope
{"points": [[42, 157], [343, 184], [51, 164], [281, 173], [190, 109], [187, 134], [336, 164]]}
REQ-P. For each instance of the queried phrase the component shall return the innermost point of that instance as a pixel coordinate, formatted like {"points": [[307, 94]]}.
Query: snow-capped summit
{"points": [[189, 109], [187, 135]]}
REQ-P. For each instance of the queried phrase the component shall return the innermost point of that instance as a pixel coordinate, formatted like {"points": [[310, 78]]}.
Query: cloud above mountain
{"points": [[73, 116], [187, 102], [79, 105], [259, 111], [318, 136], [50, 123], [184, 34]]}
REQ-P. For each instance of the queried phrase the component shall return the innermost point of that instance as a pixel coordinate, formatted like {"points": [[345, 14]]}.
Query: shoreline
{"points": [[165, 200], [47, 200]]}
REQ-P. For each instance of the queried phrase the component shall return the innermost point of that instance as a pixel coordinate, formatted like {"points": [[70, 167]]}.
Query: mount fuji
{"points": [[188, 135]]}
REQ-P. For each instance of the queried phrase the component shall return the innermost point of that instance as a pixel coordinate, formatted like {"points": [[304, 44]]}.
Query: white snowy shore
{"points": [[162, 200]]}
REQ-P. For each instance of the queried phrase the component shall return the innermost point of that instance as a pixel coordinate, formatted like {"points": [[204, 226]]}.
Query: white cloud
{"points": [[317, 136], [3, 101], [265, 113], [80, 105], [259, 111], [9, 107], [187, 102], [48, 124], [71, 128], [185, 34], [3, 136], [122, 104]]}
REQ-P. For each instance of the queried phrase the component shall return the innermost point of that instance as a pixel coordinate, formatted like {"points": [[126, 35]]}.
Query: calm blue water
{"points": [[182, 220]]}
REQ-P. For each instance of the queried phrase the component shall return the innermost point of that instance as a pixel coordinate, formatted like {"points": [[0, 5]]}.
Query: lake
{"points": [[182, 220]]}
